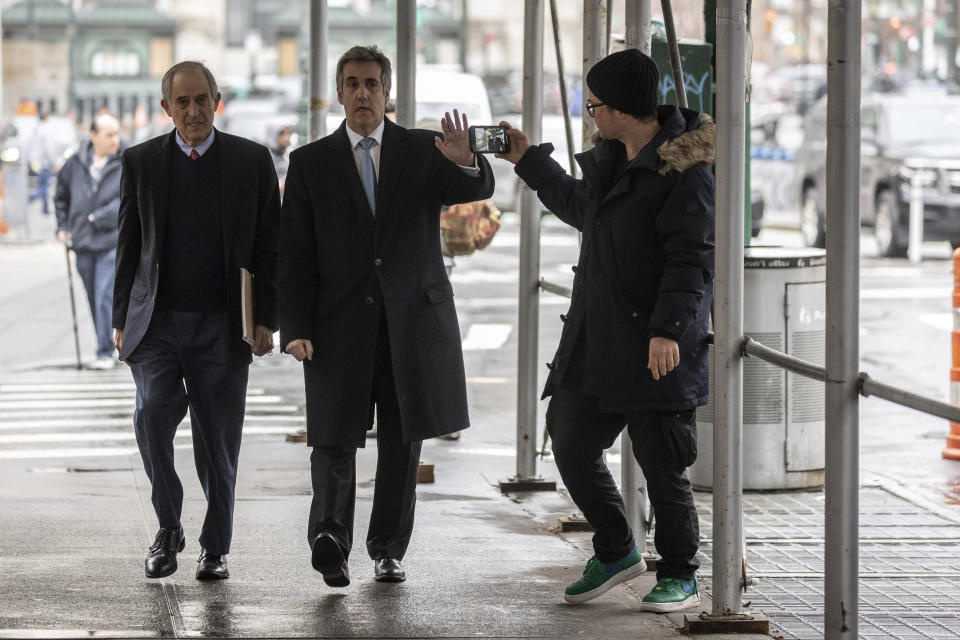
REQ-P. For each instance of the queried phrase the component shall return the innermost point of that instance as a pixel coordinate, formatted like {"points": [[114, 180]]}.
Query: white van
{"points": [[439, 90]]}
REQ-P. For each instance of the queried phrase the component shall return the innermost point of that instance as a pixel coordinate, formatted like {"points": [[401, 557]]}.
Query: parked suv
{"points": [[903, 136]]}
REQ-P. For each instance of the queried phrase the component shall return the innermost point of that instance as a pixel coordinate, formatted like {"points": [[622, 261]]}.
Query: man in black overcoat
{"points": [[366, 305], [633, 350], [196, 206]]}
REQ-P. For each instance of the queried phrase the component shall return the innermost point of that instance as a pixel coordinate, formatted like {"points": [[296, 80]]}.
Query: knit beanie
{"points": [[627, 81]]}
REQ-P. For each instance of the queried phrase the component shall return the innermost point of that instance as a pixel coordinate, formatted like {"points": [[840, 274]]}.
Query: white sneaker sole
{"points": [[667, 607], [620, 578]]}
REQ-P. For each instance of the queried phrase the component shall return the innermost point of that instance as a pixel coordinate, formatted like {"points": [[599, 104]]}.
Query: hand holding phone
{"points": [[489, 139]]}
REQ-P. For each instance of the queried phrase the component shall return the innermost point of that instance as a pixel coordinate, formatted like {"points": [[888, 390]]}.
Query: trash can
{"points": [[784, 308]]}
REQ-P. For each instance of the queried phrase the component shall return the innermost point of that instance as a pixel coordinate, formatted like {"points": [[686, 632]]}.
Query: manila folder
{"points": [[246, 305]]}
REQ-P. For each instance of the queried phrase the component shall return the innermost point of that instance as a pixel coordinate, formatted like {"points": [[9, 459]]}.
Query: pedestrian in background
{"points": [[87, 203], [278, 141], [633, 351], [41, 161], [197, 205], [367, 307]]}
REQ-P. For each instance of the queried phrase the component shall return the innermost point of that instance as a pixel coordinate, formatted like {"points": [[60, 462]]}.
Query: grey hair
{"points": [[99, 120], [166, 84], [365, 54]]}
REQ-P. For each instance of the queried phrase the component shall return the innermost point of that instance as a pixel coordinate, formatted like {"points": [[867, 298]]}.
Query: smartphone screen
{"points": [[489, 139]]}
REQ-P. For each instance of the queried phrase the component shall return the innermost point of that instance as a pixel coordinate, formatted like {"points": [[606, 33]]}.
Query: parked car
{"points": [[902, 137]]}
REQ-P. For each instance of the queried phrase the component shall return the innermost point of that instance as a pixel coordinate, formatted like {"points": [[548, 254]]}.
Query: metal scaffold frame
{"points": [[844, 384]]}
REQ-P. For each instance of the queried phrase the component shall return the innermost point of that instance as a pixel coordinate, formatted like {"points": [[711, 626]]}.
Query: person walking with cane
{"points": [[87, 203]]}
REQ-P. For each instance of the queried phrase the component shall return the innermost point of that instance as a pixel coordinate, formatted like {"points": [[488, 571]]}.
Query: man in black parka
{"points": [[634, 345]]}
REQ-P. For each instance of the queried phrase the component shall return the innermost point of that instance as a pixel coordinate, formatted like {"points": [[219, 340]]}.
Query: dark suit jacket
{"points": [[340, 265], [250, 204]]}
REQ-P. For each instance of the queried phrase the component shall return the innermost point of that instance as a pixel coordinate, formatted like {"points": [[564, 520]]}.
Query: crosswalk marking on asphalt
{"points": [[69, 414], [486, 336]]}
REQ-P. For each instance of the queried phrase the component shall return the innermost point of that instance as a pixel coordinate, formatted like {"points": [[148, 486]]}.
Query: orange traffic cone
{"points": [[952, 450], [3, 225]]}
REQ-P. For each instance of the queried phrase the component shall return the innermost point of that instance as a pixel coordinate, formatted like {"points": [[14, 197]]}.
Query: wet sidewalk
{"points": [[481, 564]]}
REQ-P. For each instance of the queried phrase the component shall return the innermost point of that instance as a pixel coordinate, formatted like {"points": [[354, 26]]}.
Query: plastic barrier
{"points": [[952, 450]]}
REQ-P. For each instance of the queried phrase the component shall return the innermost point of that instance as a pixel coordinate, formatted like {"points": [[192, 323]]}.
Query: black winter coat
{"points": [[646, 262], [341, 268], [78, 196]]}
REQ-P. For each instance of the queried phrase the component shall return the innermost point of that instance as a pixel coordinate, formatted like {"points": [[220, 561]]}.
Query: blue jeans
{"points": [[96, 269], [41, 191]]}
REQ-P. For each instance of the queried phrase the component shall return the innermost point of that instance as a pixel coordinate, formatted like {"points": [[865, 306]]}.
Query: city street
{"points": [[78, 520]]}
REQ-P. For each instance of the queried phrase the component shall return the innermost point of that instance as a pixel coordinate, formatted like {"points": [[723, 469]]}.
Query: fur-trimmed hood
{"points": [[697, 144]]}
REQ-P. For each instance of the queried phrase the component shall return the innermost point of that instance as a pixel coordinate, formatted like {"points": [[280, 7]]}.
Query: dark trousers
{"points": [[96, 270], [664, 443], [333, 471], [186, 361]]}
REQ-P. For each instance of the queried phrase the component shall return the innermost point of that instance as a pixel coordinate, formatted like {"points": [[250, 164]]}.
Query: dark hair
{"points": [[365, 54], [166, 84]]}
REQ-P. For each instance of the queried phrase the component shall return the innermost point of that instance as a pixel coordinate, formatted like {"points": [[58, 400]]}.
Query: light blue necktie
{"points": [[367, 173]]}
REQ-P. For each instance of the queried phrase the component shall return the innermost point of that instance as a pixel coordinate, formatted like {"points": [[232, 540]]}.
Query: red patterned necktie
{"points": [[193, 154]]}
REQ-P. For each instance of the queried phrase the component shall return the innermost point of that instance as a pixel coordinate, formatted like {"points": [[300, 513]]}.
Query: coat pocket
{"points": [[680, 436], [440, 292]]}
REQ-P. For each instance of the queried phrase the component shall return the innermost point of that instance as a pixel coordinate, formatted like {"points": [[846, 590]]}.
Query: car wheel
{"points": [[891, 235], [812, 224]]}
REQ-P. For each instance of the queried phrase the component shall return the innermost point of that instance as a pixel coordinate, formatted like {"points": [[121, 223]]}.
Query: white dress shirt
{"points": [[201, 148], [377, 134]]}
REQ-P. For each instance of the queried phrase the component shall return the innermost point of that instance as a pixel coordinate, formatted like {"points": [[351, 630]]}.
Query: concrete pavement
{"points": [[77, 519], [76, 526]]}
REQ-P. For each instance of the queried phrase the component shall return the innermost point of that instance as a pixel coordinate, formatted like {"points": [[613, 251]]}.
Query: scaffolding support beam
{"points": [[529, 293], [406, 93], [319, 25], [728, 554], [842, 482]]}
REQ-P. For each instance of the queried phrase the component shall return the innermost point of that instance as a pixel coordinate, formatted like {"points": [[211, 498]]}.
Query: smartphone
{"points": [[489, 139]]}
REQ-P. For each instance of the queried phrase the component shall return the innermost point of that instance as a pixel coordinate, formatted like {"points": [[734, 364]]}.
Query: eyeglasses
{"points": [[592, 107]]}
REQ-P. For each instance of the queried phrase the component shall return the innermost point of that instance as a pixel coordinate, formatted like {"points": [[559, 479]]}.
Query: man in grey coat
{"points": [[87, 203]]}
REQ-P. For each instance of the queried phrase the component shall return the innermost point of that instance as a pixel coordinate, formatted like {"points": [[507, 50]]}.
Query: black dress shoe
{"points": [[388, 570], [329, 560], [211, 566], [162, 558]]}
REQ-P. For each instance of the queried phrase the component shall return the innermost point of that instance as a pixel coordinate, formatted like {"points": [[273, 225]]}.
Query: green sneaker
{"points": [[671, 594], [599, 577]]}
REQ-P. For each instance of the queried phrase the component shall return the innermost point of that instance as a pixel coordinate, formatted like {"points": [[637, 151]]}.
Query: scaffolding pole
{"points": [[728, 309], [594, 49], [406, 93], [633, 485], [841, 483], [317, 118], [529, 303]]}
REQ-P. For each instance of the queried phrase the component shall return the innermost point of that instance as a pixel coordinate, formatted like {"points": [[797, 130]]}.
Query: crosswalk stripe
{"points": [[13, 394], [94, 412], [486, 336], [109, 436], [127, 421], [57, 386], [103, 403]]}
